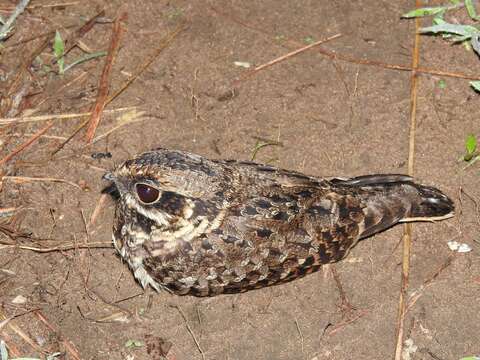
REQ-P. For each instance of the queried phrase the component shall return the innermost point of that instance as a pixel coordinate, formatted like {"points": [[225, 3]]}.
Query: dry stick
{"points": [[20, 179], [125, 85], [22, 334], [60, 89], [283, 57], [300, 333], [72, 40], [17, 81], [416, 295], [163, 44], [407, 234], [98, 208], [69, 246], [105, 78], [38, 118], [334, 55], [26, 144], [10, 47], [68, 344], [31, 7], [11, 346], [190, 331]]}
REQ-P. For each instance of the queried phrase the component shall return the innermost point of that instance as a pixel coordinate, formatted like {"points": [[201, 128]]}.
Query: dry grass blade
{"points": [[21, 333], [26, 144], [69, 246], [127, 118], [407, 236], [24, 179], [417, 294], [70, 348], [27, 119], [97, 210], [103, 87], [284, 57], [163, 44], [337, 56], [31, 7], [72, 40], [190, 331]]}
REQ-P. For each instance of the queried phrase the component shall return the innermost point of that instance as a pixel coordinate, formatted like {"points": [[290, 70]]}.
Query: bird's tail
{"points": [[390, 199]]}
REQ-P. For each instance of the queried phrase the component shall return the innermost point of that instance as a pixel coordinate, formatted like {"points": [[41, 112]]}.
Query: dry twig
{"points": [[26, 144], [103, 87], [337, 56], [22, 179], [27, 119], [190, 331], [407, 235], [283, 58], [70, 348]]}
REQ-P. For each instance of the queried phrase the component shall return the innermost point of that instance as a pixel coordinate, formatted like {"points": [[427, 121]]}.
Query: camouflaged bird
{"points": [[195, 226]]}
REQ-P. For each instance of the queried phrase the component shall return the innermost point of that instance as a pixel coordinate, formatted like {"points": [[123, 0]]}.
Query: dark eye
{"points": [[146, 193]]}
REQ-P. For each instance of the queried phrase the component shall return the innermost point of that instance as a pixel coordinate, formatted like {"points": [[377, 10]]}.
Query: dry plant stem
{"points": [[10, 47], [335, 55], [4, 30], [71, 41], [127, 83], [72, 135], [115, 128], [283, 57], [70, 348], [26, 144], [97, 210], [105, 78], [31, 7], [69, 246], [163, 44], [59, 90], [22, 334], [416, 295], [190, 331], [407, 236], [20, 179], [18, 81], [11, 346], [27, 119], [348, 321]]}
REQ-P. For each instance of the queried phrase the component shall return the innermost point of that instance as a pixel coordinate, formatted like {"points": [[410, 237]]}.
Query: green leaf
{"points": [[59, 51], [475, 85], [455, 2], [131, 343], [471, 144], [471, 358], [471, 9], [439, 18], [426, 11], [309, 40], [85, 58], [442, 84], [454, 29]]}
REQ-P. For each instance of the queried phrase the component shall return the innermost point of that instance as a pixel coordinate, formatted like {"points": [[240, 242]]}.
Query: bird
{"points": [[203, 227]]}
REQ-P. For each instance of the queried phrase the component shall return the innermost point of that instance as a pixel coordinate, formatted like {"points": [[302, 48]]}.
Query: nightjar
{"points": [[195, 226]]}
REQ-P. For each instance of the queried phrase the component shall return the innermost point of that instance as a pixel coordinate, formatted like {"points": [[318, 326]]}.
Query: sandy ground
{"points": [[331, 117]]}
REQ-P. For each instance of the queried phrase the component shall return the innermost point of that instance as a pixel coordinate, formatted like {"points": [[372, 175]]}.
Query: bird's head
{"points": [[161, 184]]}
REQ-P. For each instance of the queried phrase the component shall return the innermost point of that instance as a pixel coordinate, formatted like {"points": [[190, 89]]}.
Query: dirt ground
{"points": [[330, 118]]}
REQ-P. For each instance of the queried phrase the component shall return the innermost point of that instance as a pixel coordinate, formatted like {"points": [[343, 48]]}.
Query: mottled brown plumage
{"points": [[204, 227]]}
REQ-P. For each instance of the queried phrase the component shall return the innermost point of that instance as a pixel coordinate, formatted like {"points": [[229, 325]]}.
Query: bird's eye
{"points": [[146, 193]]}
